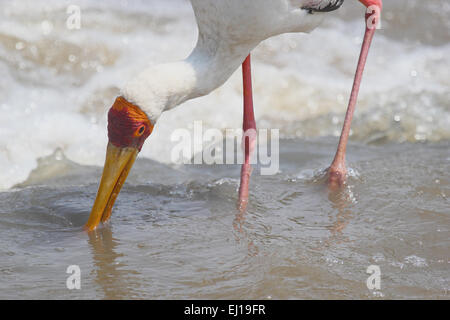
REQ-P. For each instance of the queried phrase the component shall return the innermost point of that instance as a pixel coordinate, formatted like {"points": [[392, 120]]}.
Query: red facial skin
{"points": [[128, 125]]}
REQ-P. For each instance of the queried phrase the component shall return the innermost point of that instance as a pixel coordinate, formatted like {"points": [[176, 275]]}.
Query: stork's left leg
{"points": [[249, 138], [338, 171]]}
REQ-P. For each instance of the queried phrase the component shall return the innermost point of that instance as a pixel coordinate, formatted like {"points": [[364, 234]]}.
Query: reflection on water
{"points": [[342, 200], [241, 233], [112, 275]]}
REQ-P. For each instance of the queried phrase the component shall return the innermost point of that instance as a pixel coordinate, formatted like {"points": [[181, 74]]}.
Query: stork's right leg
{"points": [[249, 138]]}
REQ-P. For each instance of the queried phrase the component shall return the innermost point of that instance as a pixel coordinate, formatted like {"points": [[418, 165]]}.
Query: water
{"points": [[175, 231]]}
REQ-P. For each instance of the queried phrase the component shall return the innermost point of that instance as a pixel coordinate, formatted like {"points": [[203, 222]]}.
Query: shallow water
{"points": [[175, 231]]}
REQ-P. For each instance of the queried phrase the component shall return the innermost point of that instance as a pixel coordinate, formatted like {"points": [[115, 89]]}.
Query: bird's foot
{"points": [[337, 176], [246, 172]]}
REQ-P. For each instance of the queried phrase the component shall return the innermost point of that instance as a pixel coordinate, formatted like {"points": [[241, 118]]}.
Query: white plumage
{"points": [[228, 31]]}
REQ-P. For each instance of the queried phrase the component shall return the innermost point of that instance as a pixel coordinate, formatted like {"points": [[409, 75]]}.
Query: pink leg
{"points": [[249, 138], [337, 172]]}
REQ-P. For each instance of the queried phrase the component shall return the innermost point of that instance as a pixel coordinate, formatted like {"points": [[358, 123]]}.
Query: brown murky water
{"points": [[175, 231]]}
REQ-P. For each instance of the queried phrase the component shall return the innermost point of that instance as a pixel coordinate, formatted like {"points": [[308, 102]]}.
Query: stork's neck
{"points": [[162, 87]]}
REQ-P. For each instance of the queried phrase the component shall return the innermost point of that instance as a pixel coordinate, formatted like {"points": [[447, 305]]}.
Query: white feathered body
{"points": [[228, 31]]}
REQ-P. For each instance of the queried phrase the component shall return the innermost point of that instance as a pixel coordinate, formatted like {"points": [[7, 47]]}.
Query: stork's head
{"points": [[128, 128], [128, 125]]}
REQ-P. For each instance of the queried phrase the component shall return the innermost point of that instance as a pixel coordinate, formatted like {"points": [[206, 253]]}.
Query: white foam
{"points": [[56, 94]]}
